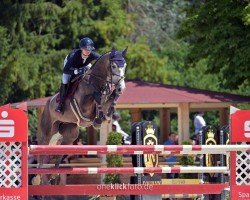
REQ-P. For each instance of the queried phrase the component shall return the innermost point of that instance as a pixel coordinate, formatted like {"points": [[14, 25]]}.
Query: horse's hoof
{"points": [[111, 112], [97, 123], [36, 180], [54, 179], [56, 139], [96, 126], [107, 117]]}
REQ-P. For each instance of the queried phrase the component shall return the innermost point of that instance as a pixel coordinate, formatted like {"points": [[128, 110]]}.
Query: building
{"points": [[140, 95]]}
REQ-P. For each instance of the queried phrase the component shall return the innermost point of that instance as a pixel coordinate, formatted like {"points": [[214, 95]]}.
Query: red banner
{"points": [[14, 149], [240, 126]]}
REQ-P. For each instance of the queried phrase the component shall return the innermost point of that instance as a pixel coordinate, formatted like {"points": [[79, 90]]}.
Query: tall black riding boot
{"points": [[62, 94]]}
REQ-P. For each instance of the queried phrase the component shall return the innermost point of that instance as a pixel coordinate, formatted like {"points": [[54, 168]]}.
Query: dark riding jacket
{"points": [[75, 61]]}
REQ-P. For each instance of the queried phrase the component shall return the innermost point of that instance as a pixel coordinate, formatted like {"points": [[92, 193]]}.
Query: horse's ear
{"points": [[124, 51], [112, 52]]}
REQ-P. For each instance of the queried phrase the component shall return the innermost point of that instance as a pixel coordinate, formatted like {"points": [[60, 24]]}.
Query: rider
{"points": [[76, 62]]}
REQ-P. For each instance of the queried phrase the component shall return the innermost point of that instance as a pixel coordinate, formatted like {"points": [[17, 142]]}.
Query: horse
{"points": [[92, 103]]}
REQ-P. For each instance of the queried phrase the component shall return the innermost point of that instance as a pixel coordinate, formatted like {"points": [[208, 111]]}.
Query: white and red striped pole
{"points": [[135, 149], [128, 170]]}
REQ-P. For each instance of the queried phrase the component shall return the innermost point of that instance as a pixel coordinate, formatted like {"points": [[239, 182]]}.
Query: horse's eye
{"points": [[114, 66]]}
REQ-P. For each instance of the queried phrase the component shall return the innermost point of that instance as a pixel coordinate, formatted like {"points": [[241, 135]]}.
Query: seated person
{"points": [[171, 159]]}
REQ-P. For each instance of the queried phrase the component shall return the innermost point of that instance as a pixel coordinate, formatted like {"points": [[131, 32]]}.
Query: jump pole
{"points": [[128, 170], [134, 149]]}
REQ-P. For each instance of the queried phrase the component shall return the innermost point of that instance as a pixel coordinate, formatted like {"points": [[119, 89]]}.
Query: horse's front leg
{"points": [[111, 103], [106, 110]]}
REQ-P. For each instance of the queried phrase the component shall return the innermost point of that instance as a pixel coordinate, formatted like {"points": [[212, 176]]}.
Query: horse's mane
{"points": [[98, 60], [99, 71]]}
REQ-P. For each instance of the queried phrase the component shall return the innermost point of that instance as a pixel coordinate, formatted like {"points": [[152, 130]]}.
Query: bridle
{"points": [[109, 80], [114, 74]]}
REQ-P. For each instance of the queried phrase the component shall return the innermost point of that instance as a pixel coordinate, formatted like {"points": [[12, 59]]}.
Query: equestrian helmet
{"points": [[86, 43]]}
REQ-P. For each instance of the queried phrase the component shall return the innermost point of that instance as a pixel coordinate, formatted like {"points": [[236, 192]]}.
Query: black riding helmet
{"points": [[86, 43]]}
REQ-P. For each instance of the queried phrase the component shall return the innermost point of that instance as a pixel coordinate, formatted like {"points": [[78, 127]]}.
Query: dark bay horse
{"points": [[106, 78]]}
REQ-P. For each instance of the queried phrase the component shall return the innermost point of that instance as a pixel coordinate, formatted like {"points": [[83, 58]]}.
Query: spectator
{"points": [[171, 159], [113, 127], [199, 122], [117, 128], [176, 142]]}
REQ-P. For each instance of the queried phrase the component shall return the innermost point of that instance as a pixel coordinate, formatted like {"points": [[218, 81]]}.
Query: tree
{"points": [[158, 20], [39, 34], [4, 49], [31, 30], [142, 62], [219, 32]]}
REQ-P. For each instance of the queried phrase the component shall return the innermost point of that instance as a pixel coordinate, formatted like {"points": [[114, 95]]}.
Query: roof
{"points": [[146, 92], [141, 92]]}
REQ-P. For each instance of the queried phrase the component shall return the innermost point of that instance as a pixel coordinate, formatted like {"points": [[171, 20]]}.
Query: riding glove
{"points": [[79, 71]]}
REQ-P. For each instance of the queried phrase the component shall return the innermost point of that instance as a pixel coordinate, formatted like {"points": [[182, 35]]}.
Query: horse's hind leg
{"points": [[48, 128], [52, 139], [70, 133], [56, 139]]}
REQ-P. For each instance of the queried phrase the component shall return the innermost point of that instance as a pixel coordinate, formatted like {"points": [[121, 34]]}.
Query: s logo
{"points": [[247, 129]]}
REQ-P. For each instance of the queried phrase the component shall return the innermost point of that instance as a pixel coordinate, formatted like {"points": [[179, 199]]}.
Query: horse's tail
{"points": [[45, 128], [45, 123]]}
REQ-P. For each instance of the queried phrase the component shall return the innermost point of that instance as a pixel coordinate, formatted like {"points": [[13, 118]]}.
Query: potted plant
{"points": [[114, 138], [187, 160]]}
